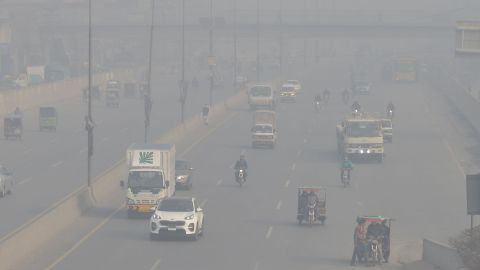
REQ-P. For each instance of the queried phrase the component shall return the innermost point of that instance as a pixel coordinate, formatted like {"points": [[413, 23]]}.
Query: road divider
{"points": [[34, 235]]}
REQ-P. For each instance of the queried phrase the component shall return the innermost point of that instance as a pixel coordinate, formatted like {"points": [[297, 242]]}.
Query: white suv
{"points": [[177, 215], [296, 85]]}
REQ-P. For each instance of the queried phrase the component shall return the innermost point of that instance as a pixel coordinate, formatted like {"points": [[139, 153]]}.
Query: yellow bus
{"points": [[405, 69]]}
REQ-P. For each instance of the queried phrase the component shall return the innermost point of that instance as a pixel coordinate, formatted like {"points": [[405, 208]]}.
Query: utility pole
{"points": [[258, 40], [148, 95], [281, 39], [183, 83], [235, 45], [89, 124], [211, 58]]}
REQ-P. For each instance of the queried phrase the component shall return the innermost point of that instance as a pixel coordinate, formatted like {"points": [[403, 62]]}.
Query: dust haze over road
{"points": [[321, 43]]}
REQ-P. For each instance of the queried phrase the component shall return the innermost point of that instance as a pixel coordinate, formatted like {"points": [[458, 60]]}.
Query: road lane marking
{"points": [[279, 205], [269, 232], [107, 219], [219, 182], [53, 140], [287, 183], [256, 266], [156, 264], [26, 180], [299, 153], [294, 166], [56, 164], [453, 156], [85, 238], [304, 140]]}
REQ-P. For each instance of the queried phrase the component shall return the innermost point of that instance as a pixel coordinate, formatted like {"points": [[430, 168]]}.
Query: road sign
{"points": [[473, 194]]}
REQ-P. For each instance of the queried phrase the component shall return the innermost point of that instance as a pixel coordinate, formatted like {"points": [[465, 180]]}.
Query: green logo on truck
{"points": [[146, 158]]}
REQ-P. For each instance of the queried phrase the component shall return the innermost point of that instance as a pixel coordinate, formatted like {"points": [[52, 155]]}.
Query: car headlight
{"points": [[155, 216], [182, 178], [190, 217]]}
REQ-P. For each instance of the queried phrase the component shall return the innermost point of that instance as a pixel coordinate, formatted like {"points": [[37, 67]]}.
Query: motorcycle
{"points": [[345, 177], [318, 106], [390, 114], [375, 251], [240, 177]]}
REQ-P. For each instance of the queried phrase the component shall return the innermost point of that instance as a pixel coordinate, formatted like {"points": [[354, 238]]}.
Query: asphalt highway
{"points": [[48, 166], [420, 184]]}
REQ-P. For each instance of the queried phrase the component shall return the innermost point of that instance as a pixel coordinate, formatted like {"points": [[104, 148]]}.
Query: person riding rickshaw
{"points": [[12, 126], [371, 240], [47, 118], [311, 205]]}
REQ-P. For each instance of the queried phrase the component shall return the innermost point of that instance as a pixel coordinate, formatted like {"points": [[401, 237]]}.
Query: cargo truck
{"points": [[261, 96], [151, 176], [264, 130]]}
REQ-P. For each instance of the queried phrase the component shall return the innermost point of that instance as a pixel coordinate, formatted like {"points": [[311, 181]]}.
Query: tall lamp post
{"points": [[148, 95], [235, 45], [281, 39], [183, 84], [89, 124], [211, 58], [258, 40]]}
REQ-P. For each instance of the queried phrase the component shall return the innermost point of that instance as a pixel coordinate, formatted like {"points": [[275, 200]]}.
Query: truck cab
{"points": [[151, 176], [288, 93], [264, 132]]}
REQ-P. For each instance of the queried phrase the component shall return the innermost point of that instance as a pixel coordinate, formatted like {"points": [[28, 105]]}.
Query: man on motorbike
{"points": [[241, 164], [347, 166], [390, 109], [359, 237], [317, 101], [356, 106], [205, 111], [375, 232]]}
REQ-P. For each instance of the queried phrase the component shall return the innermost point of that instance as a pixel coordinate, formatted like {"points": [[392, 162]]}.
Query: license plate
{"points": [[172, 228]]}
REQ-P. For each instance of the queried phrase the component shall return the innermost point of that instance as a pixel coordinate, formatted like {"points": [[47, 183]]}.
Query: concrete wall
{"points": [[441, 256], [46, 94], [35, 234]]}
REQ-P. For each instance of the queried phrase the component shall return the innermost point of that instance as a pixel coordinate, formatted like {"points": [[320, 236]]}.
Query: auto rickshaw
{"points": [[47, 118], [129, 90], [375, 249], [112, 97], [12, 127], [312, 205]]}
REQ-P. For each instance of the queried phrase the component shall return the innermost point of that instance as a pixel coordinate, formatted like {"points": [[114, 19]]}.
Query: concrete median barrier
{"points": [[442, 257], [32, 236], [35, 96]]}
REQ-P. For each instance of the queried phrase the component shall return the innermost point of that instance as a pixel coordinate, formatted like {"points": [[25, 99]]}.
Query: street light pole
{"points": [[183, 84], [258, 40], [89, 124], [235, 45], [281, 39], [211, 53], [148, 95]]}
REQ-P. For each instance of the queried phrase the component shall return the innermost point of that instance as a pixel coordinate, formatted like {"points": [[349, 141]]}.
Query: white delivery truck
{"points": [[261, 96], [151, 176], [264, 130]]}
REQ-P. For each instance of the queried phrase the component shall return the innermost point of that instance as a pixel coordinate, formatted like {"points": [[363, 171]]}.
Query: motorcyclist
{"points": [[356, 106], [317, 101], [347, 165], [390, 108], [312, 198], [375, 232], [205, 111], [241, 164], [18, 112]]}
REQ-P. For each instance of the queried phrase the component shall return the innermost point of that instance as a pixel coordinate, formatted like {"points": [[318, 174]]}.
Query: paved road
{"points": [[49, 165], [420, 184]]}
